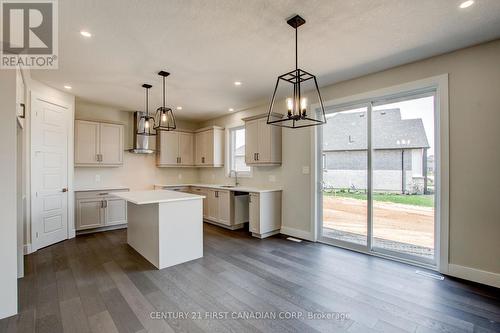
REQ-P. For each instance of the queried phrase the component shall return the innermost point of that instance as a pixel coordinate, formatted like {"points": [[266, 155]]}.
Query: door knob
{"points": [[64, 189]]}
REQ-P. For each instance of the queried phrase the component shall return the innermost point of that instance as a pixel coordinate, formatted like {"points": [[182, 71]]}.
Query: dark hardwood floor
{"points": [[97, 283]]}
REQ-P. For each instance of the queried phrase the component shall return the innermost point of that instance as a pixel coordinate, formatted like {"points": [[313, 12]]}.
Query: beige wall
{"points": [[8, 222], [474, 121], [138, 171]]}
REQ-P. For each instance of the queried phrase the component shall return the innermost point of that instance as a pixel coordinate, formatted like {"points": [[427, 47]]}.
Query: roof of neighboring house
{"points": [[240, 150], [347, 131]]}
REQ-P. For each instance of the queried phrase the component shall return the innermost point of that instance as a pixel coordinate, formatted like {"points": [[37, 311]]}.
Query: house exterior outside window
{"points": [[237, 153]]}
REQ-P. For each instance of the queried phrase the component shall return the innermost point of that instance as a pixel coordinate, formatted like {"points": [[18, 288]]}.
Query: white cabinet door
{"points": [[254, 213], [264, 141], [169, 148], [213, 205], [209, 147], [186, 148], [251, 141], [111, 143], [116, 211], [89, 213], [86, 142], [224, 207], [200, 148]]}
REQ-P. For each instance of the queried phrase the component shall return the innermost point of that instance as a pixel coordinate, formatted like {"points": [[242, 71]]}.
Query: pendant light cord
{"points": [[296, 50], [164, 93]]}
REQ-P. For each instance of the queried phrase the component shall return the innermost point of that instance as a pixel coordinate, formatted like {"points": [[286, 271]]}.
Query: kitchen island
{"points": [[165, 227]]}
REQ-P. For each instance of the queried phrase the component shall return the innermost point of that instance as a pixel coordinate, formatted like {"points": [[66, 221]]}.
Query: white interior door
{"points": [[49, 175]]}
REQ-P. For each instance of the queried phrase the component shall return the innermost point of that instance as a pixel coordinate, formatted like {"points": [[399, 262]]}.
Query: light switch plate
{"points": [[97, 178], [305, 170]]}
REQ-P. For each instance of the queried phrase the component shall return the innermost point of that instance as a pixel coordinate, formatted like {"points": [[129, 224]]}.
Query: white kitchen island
{"points": [[165, 227]]}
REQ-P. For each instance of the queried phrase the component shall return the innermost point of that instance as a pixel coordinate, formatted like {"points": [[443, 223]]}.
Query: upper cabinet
{"points": [[262, 141], [209, 147], [175, 149], [98, 144]]}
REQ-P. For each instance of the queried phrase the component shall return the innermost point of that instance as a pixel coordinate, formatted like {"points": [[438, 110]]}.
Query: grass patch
{"points": [[414, 200]]}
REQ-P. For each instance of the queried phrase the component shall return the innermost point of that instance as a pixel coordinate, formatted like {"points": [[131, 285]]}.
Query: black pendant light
{"points": [[296, 110], [165, 120], [146, 122]]}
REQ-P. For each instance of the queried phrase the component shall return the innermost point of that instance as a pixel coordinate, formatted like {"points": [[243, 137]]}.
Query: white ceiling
{"points": [[209, 44]]}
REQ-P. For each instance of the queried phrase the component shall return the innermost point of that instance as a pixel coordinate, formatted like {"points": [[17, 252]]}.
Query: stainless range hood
{"points": [[143, 144]]}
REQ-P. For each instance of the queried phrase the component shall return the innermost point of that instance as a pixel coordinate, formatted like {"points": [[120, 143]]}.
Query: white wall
{"points": [[8, 222], [138, 171], [474, 117]]}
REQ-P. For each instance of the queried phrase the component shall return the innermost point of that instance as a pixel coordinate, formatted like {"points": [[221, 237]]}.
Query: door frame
{"points": [[440, 84], [34, 95]]}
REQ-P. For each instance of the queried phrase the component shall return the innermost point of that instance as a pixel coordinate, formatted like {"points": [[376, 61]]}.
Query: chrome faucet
{"points": [[236, 183]]}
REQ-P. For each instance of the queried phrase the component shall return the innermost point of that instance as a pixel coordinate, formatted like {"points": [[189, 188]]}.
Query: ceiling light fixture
{"points": [[68, 87], [85, 33], [466, 4], [295, 113], [146, 122], [230, 109], [165, 120], [237, 83], [179, 108]]}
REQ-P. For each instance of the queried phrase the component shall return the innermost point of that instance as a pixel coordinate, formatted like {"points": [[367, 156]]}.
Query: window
{"points": [[237, 152]]}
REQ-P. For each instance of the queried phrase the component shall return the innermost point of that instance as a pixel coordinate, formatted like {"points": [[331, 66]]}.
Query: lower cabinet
{"points": [[265, 214], [219, 206], [97, 209]]}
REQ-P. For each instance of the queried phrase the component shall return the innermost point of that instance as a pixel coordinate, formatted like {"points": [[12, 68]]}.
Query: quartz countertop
{"points": [[155, 196], [225, 187], [99, 188]]}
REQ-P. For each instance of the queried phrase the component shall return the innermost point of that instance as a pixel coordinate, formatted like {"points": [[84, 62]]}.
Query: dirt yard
{"points": [[395, 222]]}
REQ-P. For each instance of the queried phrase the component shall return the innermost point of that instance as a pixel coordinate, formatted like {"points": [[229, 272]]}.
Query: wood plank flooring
{"points": [[97, 283]]}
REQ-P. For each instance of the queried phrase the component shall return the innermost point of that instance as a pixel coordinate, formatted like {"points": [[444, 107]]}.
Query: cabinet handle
{"points": [[102, 203], [257, 156], [203, 160], [103, 193], [105, 203], [180, 159]]}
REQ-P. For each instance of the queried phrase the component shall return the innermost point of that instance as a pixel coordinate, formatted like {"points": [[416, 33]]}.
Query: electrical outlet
{"points": [[97, 178], [272, 178], [305, 170]]}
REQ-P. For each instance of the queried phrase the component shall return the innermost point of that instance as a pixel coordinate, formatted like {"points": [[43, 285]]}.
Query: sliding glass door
{"points": [[378, 161]]}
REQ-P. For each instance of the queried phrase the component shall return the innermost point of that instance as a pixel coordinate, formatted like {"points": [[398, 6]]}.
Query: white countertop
{"points": [[155, 196], [222, 187], [99, 188]]}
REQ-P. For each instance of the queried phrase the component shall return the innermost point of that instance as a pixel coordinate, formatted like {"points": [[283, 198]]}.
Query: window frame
{"points": [[230, 132]]}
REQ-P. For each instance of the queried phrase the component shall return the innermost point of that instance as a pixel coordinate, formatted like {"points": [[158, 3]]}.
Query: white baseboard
{"points": [[27, 249], [297, 233], [473, 274]]}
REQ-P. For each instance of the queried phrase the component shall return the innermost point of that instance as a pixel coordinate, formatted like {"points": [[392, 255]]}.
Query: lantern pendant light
{"points": [[296, 110], [165, 120], [146, 122]]}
